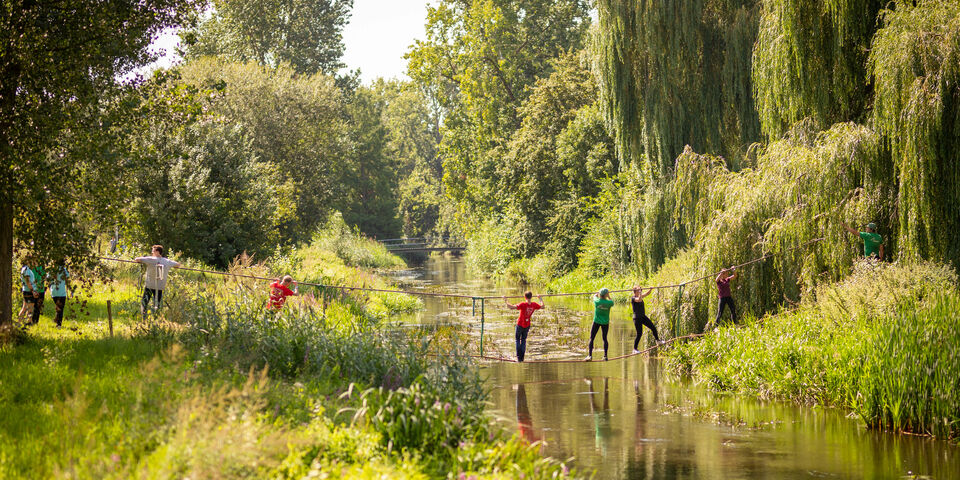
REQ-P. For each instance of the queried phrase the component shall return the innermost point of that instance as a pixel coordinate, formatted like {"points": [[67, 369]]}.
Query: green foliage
{"points": [[352, 248], [675, 74], [306, 34], [810, 62], [60, 65], [915, 64], [478, 62], [864, 343], [294, 123], [491, 247]]}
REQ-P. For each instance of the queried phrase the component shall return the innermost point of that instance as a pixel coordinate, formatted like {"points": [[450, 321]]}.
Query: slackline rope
{"points": [[471, 297]]}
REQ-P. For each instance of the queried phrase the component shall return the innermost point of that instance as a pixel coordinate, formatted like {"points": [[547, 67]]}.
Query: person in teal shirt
{"points": [[30, 293], [601, 321], [872, 242], [58, 292], [40, 275]]}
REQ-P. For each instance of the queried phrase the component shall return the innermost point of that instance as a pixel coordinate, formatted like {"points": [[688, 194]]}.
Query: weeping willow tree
{"points": [[810, 61], [915, 63], [676, 73]]}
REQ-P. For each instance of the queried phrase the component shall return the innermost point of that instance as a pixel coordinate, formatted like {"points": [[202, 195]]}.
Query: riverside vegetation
{"points": [[217, 387]]}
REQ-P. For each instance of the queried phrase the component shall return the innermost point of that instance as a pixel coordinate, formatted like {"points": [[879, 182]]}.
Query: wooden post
{"points": [[483, 302], [110, 318]]}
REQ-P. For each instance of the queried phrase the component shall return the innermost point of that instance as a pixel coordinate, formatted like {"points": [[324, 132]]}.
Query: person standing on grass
{"points": [[723, 290], [640, 317], [40, 276], [155, 279], [872, 241], [601, 321], [279, 291], [58, 292], [523, 321], [30, 293]]}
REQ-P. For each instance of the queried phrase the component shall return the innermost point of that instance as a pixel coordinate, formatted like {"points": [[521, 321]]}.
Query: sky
{"points": [[380, 32]]}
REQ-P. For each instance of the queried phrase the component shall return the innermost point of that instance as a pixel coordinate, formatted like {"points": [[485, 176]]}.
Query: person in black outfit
{"points": [[640, 317]]}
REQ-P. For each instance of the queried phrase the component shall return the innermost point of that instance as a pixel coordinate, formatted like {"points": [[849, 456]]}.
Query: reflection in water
{"points": [[524, 422], [679, 431]]}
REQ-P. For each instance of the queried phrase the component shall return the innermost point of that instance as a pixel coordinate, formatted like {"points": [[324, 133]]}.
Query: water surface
{"points": [[626, 419]]}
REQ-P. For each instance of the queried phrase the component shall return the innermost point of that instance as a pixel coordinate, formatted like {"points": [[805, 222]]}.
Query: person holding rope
{"points": [[523, 321], [601, 321], [872, 241], [726, 298], [30, 292], [640, 317], [155, 278], [58, 292], [279, 291]]}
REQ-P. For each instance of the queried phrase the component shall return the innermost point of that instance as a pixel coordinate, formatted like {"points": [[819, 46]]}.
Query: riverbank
{"points": [[216, 387]]}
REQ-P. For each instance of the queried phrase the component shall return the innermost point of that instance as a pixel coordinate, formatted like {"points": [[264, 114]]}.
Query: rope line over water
{"points": [[475, 297]]}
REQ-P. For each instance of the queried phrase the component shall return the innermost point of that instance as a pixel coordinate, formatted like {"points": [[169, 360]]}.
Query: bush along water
{"points": [[878, 343]]}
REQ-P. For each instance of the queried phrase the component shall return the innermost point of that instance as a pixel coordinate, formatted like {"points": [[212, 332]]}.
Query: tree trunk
{"points": [[6, 261]]}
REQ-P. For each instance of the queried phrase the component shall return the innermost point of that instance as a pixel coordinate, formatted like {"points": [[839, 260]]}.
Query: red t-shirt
{"points": [[526, 311], [278, 295]]}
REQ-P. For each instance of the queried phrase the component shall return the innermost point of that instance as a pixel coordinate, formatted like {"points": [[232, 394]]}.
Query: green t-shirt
{"points": [[601, 311], [871, 244], [39, 275]]}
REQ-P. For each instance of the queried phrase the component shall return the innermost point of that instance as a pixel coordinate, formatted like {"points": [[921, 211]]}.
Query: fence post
{"points": [[110, 318], [676, 326], [483, 302]]}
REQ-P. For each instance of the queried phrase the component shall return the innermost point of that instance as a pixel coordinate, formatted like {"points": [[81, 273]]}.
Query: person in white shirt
{"points": [[156, 277]]}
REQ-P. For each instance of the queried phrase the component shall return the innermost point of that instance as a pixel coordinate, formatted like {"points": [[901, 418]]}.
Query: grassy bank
{"points": [[882, 343], [216, 387]]}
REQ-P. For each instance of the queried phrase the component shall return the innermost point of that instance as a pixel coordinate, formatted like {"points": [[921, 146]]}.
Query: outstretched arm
{"points": [[645, 295], [847, 228], [734, 274], [508, 303], [542, 304]]}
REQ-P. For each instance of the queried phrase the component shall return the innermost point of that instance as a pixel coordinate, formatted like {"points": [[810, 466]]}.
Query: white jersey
{"points": [[157, 269]]}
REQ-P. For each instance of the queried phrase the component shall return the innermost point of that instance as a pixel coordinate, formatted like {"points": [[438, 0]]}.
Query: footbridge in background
{"points": [[424, 244]]}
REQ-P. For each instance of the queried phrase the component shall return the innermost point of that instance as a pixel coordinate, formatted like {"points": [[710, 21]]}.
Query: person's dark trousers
{"points": [[638, 323], [726, 301], [521, 336], [148, 294], [593, 333], [38, 309], [60, 302]]}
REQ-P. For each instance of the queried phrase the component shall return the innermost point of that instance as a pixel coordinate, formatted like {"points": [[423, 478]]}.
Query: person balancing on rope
{"points": [[872, 241], [523, 321], [640, 317], [155, 278], [601, 321], [279, 291], [723, 290]]}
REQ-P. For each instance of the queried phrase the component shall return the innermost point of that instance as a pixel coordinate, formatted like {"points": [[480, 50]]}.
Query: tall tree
{"points": [[479, 61], [677, 73], [306, 34], [295, 123], [58, 61], [810, 61]]}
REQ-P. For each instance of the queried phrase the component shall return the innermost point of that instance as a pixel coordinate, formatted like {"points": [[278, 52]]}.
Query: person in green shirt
{"points": [[872, 242], [601, 321]]}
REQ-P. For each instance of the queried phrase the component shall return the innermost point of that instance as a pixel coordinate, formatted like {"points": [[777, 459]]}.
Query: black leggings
{"points": [[638, 323], [593, 333], [60, 302], [521, 337], [725, 301], [38, 308], [149, 293]]}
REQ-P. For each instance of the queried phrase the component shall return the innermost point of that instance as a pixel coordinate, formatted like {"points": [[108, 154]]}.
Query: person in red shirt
{"points": [[279, 291], [523, 321], [723, 290]]}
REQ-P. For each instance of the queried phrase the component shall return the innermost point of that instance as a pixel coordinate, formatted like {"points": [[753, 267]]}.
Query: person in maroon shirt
{"points": [[523, 321], [279, 291], [723, 289]]}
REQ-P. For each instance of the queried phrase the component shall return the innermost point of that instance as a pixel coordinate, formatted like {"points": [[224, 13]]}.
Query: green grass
{"points": [[882, 343], [216, 387]]}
